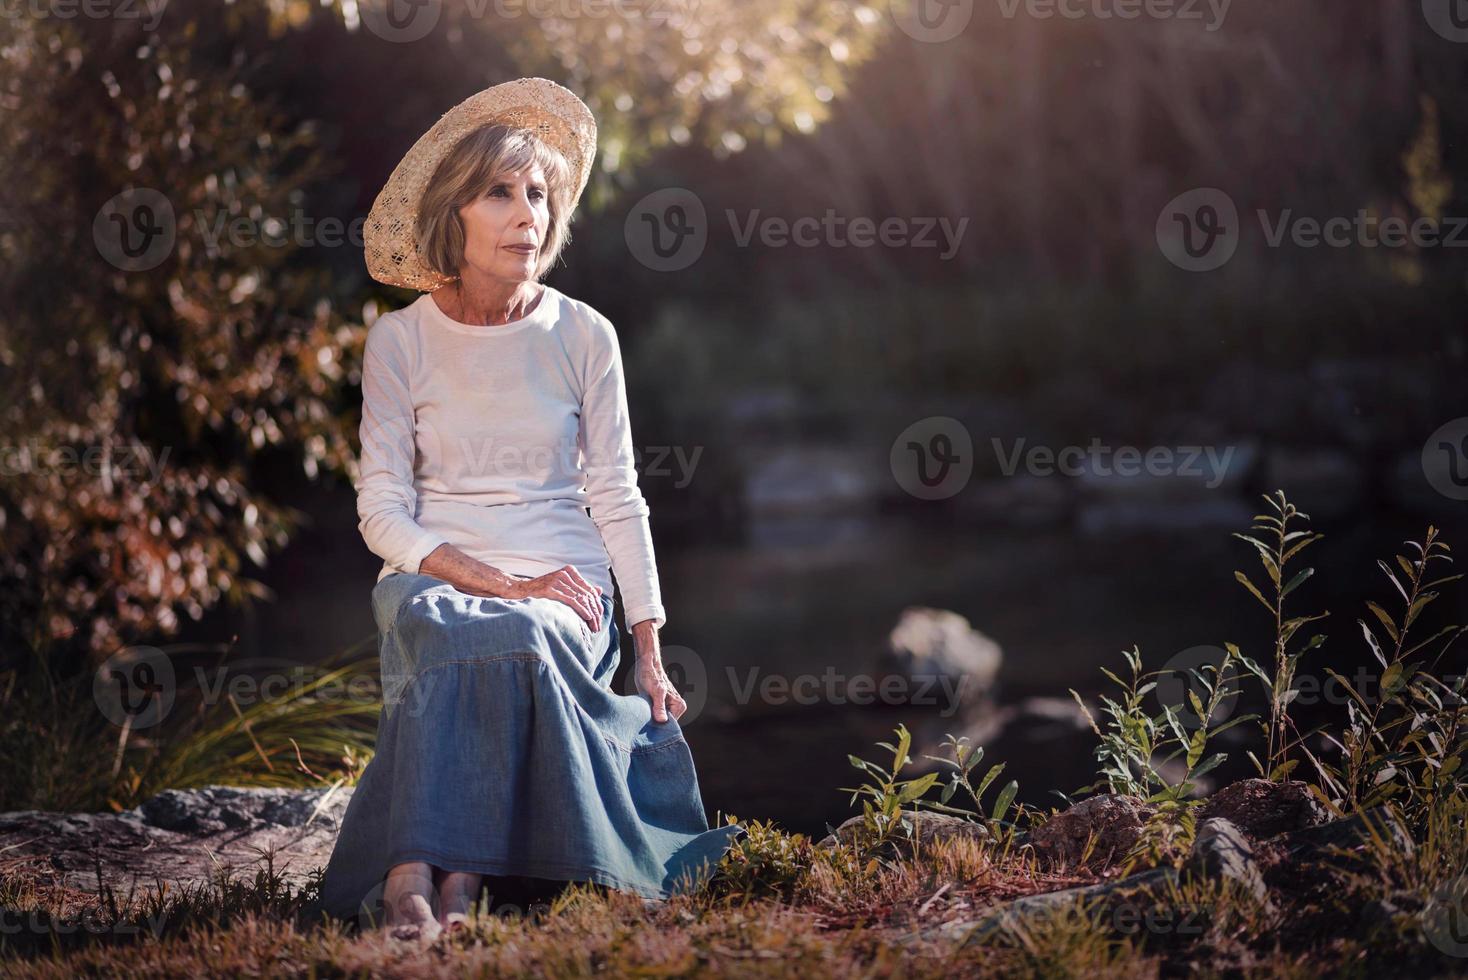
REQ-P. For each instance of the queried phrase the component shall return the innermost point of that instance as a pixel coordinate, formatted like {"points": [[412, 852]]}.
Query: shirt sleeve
{"points": [[386, 499], [618, 508]]}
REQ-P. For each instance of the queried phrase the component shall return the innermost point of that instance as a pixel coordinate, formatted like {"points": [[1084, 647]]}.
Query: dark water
{"points": [[1060, 604]]}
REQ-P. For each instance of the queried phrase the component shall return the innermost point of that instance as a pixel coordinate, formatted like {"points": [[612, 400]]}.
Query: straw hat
{"points": [[553, 112]]}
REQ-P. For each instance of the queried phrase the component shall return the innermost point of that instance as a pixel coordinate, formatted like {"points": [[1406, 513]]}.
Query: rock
{"points": [[1114, 821], [928, 828], [1262, 808], [1220, 850], [1125, 902], [1317, 842], [929, 645], [181, 837]]}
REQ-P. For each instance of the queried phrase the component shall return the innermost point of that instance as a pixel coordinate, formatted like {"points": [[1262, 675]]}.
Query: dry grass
{"points": [[840, 919]]}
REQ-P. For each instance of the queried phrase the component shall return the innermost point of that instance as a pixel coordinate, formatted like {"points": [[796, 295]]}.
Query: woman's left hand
{"points": [[652, 681]]}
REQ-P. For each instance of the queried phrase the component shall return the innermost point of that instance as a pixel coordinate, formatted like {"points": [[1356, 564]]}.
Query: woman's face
{"points": [[505, 229]]}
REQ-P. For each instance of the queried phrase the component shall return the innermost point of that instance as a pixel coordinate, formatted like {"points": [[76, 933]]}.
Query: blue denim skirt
{"points": [[503, 751]]}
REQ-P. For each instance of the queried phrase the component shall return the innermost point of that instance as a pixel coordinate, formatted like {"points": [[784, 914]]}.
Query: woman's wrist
{"points": [[645, 639]]}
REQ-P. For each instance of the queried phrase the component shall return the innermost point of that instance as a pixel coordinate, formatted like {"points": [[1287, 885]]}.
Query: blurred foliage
{"points": [[151, 410], [140, 400], [661, 72]]}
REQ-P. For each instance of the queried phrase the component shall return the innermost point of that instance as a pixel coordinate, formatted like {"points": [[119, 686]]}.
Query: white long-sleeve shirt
{"points": [[496, 439]]}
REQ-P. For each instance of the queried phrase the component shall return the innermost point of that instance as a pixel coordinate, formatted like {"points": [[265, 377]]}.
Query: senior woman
{"points": [[497, 485]]}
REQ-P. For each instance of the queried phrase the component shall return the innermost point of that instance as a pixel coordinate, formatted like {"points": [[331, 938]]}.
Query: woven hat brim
{"points": [[550, 110]]}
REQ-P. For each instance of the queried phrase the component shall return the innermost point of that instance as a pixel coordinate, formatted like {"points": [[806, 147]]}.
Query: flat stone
{"points": [[181, 837], [928, 829]]}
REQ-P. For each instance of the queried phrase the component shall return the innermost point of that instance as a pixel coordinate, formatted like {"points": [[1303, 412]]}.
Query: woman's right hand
{"points": [[567, 585]]}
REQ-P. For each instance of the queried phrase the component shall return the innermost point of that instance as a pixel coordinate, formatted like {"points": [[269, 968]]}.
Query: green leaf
{"points": [[1386, 620], [1006, 797], [1282, 770], [1195, 748], [1295, 582], [1253, 590], [1386, 569], [1417, 608], [989, 777], [917, 787], [1270, 568]]}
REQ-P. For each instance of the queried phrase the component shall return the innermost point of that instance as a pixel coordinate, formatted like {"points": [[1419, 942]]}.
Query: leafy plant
{"points": [[1136, 747], [1408, 743], [884, 821], [1275, 555], [965, 759], [763, 862]]}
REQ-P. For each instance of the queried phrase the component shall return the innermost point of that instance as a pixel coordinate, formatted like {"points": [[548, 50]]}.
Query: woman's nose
{"points": [[526, 212]]}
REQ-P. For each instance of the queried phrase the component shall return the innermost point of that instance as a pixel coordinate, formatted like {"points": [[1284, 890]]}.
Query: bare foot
{"points": [[408, 900], [457, 893]]}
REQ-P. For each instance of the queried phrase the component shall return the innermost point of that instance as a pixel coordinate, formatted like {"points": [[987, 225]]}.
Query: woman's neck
{"points": [[490, 304]]}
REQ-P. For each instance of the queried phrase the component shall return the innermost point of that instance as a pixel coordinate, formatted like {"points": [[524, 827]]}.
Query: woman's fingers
{"points": [[653, 681], [676, 704], [575, 573], [578, 600]]}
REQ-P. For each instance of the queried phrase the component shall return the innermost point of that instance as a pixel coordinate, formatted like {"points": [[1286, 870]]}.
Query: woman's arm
{"points": [[617, 505], [386, 499], [468, 574]]}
